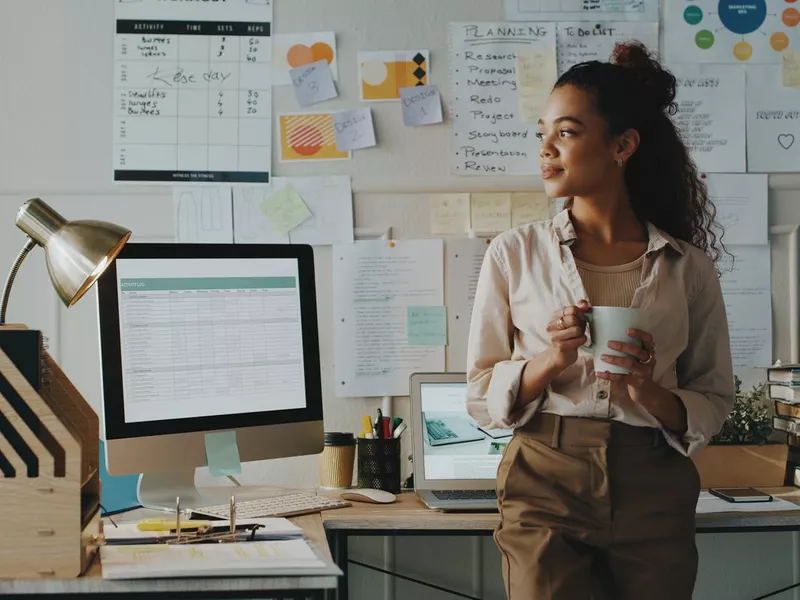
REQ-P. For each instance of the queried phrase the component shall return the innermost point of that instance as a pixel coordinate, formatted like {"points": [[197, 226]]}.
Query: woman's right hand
{"points": [[567, 330]]}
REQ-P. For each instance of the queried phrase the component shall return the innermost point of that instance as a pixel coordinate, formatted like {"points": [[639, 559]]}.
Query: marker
{"points": [[399, 431]]}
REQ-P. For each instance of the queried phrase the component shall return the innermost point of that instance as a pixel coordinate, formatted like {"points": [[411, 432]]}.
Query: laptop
{"points": [[455, 460]]}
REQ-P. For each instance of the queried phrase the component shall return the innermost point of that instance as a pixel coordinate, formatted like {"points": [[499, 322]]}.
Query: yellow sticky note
{"points": [[491, 212], [449, 213], [536, 74], [285, 210], [790, 68], [527, 207]]}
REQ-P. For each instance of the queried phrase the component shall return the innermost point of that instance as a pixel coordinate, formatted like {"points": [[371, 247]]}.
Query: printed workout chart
{"points": [[193, 91]]}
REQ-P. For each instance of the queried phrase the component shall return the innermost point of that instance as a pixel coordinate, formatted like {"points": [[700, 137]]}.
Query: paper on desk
{"points": [[748, 304], [464, 260], [375, 282], [270, 528], [536, 74], [426, 325], [330, 200], [203, 215], [222, 453], [313, 83], [707, 504], [422, 105], [741, 202], [527, 207], [491, 213], [281, 557], [450, 213], [285, 210], [354, 129]]}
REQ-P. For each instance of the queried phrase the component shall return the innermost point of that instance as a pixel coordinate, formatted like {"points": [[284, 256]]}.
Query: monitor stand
{"points": [[160, 491]]}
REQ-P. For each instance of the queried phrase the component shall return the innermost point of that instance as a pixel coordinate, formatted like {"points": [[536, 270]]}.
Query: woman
{"points": [[596, 489]]}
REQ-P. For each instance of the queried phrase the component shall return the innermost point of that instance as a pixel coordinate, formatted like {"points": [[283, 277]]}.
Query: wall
{"points": [[56, 76]]}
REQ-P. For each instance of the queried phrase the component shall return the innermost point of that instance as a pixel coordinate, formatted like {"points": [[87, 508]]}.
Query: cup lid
{"points": [[339, 438]]}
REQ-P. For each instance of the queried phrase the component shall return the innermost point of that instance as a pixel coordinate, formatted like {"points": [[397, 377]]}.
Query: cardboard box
{"points": [[736, 466]]}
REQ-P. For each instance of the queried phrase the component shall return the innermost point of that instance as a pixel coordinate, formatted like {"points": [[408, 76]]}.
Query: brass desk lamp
{"points": [[49, 434]]}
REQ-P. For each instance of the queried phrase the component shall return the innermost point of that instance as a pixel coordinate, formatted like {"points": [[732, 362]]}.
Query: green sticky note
{"points": [[222, 453], [427, 325], [285, 210]]}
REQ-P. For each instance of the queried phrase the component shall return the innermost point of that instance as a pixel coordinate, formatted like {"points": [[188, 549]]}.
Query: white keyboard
{"points": [[275, 506]]}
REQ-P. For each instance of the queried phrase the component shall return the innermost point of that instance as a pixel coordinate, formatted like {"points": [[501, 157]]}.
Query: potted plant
{"points": [[742, 453]]}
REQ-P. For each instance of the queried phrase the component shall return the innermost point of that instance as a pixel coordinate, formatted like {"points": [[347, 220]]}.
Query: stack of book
{"points": [[784, 388]]}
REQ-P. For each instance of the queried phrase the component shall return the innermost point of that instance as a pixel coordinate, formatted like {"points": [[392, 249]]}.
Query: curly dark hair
{"points": [[633, 91]]}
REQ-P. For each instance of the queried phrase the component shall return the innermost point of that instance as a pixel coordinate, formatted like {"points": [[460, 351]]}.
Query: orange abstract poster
{"points": [[291, 50], [382, 74], [309, 136]]}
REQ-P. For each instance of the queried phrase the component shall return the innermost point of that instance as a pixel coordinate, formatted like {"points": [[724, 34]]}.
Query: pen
{"points": [[399, 431], [379, 425]]}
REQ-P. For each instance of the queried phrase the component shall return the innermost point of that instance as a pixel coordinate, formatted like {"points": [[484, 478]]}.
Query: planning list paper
{"points": [[490, 135], [192, 101]]}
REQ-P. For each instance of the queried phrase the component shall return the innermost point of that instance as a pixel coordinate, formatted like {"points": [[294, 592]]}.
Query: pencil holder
{"points": [[379, 464]]}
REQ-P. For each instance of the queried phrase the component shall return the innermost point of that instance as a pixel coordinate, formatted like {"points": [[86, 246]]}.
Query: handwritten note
{"points": [[285, 210], [426, 325], [790, 68], [773, 122], [450, 213], [422, 105], [536, 74], [491, 212], [489, 138], [527, 207], [579, 41], [375, 282], [354, 129], [192, 92], [222, 453], [741, 203], [748, 303], [710, 114], [464, 261], [203, 215], [313, 83]]}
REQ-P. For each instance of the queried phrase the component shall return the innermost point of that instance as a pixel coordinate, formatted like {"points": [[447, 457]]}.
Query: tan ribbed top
{"points": [[611, 286]]}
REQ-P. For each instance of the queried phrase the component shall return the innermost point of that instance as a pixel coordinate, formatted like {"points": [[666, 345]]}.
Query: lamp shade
{"points": [[77, 252]]}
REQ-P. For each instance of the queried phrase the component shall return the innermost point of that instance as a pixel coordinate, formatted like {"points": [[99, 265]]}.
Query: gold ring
{"points": [[649, 358], [560, 323]]}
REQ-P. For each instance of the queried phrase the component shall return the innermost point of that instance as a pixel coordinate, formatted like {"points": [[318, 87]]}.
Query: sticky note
{"points": [[491, 212], [354, 129], [790, 68], [285, 210], [450, 213], [313, 83], [422, 105], [527, 207], [537, 71], [222, 453], [426, 325]]}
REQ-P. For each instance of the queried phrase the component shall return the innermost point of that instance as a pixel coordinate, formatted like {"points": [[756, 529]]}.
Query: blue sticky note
{"points": [[222, 453], [119, 492], [427, 325]]}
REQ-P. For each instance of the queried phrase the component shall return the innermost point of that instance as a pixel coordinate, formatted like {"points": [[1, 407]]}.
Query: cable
{"points": [[411, 579], [780, 591]]}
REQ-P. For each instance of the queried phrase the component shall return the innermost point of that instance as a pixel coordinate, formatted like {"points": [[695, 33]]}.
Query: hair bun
{"points": [[655, 79]]}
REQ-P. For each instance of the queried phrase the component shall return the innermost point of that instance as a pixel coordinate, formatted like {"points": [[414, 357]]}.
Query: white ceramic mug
{"points": [[611, 323]]}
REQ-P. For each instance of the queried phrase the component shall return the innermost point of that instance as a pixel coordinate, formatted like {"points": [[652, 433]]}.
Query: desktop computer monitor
{"points": [[201, 338]]}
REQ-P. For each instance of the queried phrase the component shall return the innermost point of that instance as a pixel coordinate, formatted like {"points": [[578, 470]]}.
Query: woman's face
{"points": [[577, 157]]}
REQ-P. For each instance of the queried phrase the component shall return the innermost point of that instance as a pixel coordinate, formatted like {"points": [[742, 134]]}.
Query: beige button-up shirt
{"points": [[529, 273]]}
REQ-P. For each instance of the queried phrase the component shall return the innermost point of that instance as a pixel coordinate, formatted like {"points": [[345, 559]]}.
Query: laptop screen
{"points": [[454, 447]]}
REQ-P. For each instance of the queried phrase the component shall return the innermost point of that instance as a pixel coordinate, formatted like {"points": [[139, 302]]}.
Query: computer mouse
{"points": [[369, 495]]}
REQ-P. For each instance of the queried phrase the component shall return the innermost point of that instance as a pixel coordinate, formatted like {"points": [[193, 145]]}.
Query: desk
{"points": [[409, 516], [277, 588]]}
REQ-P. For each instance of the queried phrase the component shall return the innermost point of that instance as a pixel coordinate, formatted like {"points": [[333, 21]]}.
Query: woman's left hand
{"points": [[641, 363]]}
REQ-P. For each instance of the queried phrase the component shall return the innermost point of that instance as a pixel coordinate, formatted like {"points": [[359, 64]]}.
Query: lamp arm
{"points": [[12, 275]]}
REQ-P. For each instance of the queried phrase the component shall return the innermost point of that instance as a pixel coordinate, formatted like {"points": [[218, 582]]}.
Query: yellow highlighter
{"points": [[164, 525], [366, 424]]}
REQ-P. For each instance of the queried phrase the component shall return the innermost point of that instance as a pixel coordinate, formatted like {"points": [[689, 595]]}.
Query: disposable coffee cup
{"points": [[337, 460], [611, 323]]}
